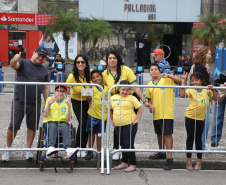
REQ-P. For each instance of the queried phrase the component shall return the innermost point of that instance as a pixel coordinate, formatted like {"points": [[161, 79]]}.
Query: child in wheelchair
{"points": [[57, 114]]}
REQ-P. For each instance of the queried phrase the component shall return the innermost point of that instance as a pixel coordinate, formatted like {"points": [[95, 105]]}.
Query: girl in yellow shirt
{"points": [[195, 114], [124, 118]]}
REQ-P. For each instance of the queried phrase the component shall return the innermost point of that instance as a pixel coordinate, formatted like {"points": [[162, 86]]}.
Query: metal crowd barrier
{"points": [[5, 105], [150, 130]]}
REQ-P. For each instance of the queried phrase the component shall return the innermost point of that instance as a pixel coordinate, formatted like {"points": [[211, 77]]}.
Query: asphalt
{"points": [[210, 161]]}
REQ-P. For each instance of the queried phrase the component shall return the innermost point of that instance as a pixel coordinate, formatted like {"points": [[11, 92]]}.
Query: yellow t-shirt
{"points": [[76, 90], [123, 109], [109, 78], [54, 114], [162, 100], [199, 103], [96, 109]]}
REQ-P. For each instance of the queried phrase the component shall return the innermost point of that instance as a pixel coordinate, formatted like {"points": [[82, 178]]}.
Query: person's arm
{"points": [[189, 75], [215, 94], [182, 91], [111, 116], [46, 92], [139, 114], [68, 102], [139, 93], [14, 61], [176, 79]]}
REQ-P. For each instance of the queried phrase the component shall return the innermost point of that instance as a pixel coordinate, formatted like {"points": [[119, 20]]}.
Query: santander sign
{"points": [[17, 18]]}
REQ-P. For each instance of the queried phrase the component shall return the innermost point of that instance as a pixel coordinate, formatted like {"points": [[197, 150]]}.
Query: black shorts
{"points": [[31, 118], [166, 124]]}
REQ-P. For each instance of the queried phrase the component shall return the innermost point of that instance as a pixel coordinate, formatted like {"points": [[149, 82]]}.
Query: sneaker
{"points": [[6, 156], [51, 150], [214, 144], [71, 151], [115, 155], [51, 81], [158, 155], [169, 164], [89, 155], [81, 154], [29, 155]]}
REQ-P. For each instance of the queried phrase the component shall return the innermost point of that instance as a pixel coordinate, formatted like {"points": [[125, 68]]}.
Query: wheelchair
{"points": [[42, 143]]}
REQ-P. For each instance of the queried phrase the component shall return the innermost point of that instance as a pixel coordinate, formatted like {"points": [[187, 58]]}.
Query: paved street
{"points": [[93, 176]]}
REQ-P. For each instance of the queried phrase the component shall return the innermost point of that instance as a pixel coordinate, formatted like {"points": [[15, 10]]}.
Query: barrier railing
{"points": [[5, 100], [144, 132]]}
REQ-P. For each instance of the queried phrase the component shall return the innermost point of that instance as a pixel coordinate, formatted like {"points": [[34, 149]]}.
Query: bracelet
{"points": [[144, 101]]}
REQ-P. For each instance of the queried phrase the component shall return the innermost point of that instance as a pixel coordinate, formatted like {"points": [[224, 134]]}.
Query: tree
{"points": [[211, 28], [96, 28], [65, 22]]}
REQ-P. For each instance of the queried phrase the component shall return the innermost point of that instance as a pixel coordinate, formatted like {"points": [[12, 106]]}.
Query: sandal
{"points": [[121, 166], [131, 168]]}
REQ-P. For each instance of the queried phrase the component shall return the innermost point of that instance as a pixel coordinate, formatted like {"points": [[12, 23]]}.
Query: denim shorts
{"points": [[93, 125]]}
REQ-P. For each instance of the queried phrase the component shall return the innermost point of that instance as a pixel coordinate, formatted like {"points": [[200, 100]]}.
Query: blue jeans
{"points": [[218, 119], [52, 74], [206, 128]]}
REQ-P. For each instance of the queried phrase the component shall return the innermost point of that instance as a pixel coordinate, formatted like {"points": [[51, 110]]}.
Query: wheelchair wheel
{"points": [[40, 144]]}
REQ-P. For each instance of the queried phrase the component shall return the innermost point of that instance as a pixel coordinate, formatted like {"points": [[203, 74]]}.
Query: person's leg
{"points": [[218, 120], [52, 74], [52, 134], [82, 135], [32, 118], [190, 125], [115, 140], [10, 137], [198, 137], [64, 129], [169, 145], [206, 128], [98, 142], [128, 134]]}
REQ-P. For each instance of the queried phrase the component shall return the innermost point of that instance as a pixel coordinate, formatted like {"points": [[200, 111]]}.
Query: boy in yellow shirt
{"points": [[162, 100], [57, 117]]}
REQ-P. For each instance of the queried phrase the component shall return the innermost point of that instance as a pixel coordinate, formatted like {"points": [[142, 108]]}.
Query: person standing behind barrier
{"points": [[57, 117], [219, 110], [80, 74], [94, 122], [116, 72], [124, 119], [163, 111], [195, 114], [58, 60], [28, 70], [201, 65], [162, 63]]}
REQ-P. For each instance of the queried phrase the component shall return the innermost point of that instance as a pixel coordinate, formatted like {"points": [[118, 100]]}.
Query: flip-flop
{"points": [[121, 166], [131, 168]]}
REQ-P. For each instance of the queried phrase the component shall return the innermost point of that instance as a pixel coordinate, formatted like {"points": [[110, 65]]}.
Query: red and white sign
{"points": [[17, 18]]}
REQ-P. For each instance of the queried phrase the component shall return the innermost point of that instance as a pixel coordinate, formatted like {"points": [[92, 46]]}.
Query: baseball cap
{"points": [[158, 52], [61, 86], [41, 51]]}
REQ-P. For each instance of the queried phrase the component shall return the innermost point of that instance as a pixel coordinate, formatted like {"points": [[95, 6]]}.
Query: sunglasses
{"points": [[78, 62], [61, 91]]}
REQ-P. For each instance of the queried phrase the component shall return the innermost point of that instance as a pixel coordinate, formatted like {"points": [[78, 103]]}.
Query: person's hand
{"points": [[55, 70], [53, 99], [113, 124], [152, 108], [164, 75], [17, 57], [184, 77], [210, 87], [134, 122], [223, 85], [67, 100], [148, 105]]}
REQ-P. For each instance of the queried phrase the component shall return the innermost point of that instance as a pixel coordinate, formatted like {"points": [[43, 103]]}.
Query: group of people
{"points": [[125, 103], [185, 63]]}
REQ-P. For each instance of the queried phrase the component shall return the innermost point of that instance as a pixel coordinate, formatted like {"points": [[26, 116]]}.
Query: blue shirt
{"points": [[164, 66]]}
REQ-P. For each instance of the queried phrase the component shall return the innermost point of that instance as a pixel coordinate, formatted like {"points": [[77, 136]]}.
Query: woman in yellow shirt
{"points": [[80, 74]]}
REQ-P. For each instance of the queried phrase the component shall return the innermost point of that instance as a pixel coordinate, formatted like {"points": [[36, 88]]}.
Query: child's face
{"points": [[60, 93], [124, 91], [154, 71], [97, 78], [195, 81]]}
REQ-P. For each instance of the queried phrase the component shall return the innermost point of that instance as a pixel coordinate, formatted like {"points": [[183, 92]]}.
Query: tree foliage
{"points": [[211, 28], [65, 22]]}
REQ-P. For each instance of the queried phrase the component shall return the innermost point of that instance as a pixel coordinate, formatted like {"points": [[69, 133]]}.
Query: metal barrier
{"points": [[150, 130], [5, 100]]}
